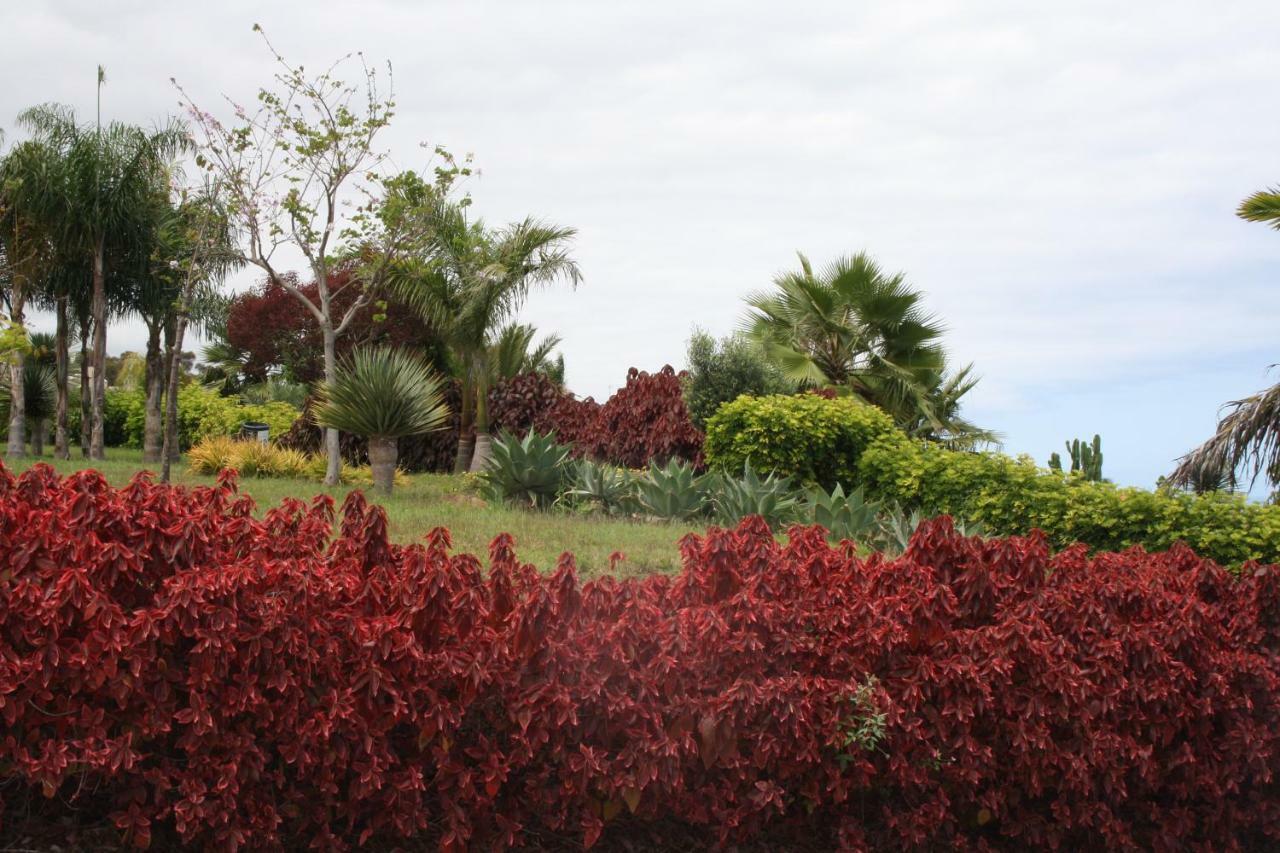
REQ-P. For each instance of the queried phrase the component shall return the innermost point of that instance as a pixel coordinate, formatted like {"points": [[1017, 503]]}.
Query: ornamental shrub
{"points": [[644, 421], [807, 437], [723, 371], [175, 667], [843, 441]]}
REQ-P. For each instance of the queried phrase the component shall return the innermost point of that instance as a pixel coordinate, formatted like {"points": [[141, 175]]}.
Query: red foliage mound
{"points": [[645, 420], [217, 680]]}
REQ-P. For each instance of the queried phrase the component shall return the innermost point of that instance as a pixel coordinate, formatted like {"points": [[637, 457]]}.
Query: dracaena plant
{"points": [[382, 395]]}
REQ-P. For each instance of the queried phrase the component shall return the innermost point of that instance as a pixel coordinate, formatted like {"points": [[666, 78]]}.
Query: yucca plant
{"points": [[382, 394], [845, 516], [672, 491], [602, 486], [736, 498], [39, 390], [532, 470]]}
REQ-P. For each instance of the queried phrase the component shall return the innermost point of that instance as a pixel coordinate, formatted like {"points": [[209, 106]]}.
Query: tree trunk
{"points": [[483, 449], [466, 423], [382, 461], [38, 430], [333, 468], [86, 370], [61, 447], [152, 437], [169, 448], [17, 446], [96, 441]]}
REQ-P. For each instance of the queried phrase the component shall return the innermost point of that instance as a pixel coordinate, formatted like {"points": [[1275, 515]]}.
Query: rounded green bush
{"points": [[806, 437]]}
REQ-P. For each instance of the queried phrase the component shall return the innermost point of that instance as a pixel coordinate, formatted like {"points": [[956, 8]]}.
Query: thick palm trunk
{"points": [[333, 466], [483, 449], [17, 445], [382, 462], [61, 448], [38, 430], [152, 436], [96, 440], [169, 448], [86, 408]]}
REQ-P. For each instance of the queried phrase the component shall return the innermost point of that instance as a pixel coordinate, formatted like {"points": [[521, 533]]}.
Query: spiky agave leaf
{"points": [[382, 393]]}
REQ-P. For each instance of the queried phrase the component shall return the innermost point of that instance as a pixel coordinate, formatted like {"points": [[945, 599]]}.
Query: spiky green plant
{"points": [[897, 528], [39, 389], [845, 516], [736, 498], [530, 471], [672, 491], [603, 487], [382, 395]]}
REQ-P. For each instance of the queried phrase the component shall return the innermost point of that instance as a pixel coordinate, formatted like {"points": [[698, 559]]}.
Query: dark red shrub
{"points": [[516, 403], [645, 420], [216, 680]]}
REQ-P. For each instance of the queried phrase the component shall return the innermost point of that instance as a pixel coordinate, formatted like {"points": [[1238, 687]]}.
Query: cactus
{"points": [[1085, 458], [1055, 462]]}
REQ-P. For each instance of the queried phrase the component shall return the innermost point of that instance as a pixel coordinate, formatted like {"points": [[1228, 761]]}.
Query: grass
{"points": [[443, 500]]}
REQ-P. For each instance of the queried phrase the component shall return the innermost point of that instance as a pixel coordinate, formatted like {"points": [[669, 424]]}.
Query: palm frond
{"points": [[1262, 207], [1246, 442]]}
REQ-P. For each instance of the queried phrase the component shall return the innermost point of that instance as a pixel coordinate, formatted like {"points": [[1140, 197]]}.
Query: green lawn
{"points": [[441, 500]]}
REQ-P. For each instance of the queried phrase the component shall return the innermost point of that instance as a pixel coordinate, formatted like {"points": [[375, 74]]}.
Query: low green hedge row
{"points": [[202, 413], [845, 441]]}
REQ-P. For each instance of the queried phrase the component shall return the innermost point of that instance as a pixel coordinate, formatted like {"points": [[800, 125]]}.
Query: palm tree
{"points": [[476, 279], [855, 326], [939, 419], [111, 175], [512, 351], [1247, 440], [382, 395]]}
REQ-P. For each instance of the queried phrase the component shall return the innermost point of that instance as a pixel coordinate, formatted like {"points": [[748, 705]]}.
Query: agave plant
{"points": [[897, 527], [382, 395], [532, 470], [736, 498], [602, 486], [845, 516], [672, 491]]}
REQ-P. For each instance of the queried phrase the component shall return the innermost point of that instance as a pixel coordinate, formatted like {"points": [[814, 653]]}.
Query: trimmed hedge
{"points": [[197, 677], [841, 440]]}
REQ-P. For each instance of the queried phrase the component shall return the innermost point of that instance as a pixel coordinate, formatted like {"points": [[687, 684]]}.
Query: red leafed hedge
{"points": [[645, 420], [209, 679]]}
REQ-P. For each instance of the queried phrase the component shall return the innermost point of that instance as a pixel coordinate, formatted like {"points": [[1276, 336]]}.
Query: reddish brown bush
{"points": [[216, 680], [516, 404]]}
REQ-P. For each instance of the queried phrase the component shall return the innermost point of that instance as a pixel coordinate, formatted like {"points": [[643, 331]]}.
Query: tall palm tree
{"points": [[513, 350], [476, 279], [111, 174], [851, 325], [1246, 443]]}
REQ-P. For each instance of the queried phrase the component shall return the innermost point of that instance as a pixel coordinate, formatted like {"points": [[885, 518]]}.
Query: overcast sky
{"points": [[1060, 179]]}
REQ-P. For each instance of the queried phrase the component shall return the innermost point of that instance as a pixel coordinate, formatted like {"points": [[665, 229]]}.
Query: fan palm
{"points": [[109, 176], [850, 325], [475, 279], [382, 395]]}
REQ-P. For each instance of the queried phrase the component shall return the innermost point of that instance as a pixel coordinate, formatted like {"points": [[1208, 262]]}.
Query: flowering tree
{"points": [[302, 172]]}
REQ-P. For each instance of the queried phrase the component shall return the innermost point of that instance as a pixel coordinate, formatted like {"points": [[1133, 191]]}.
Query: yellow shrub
{"points": [[213, 455]]}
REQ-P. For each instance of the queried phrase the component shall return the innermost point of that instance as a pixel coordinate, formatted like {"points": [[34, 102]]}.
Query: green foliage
{"points": [[846, 516], [530, 470], [603, 487], [382, 393], [1013, 496], [1086, 459], [806, 437], [736, 498], [202, 413], [39, 392], [13, 339], [672, 491], [724, 371]]}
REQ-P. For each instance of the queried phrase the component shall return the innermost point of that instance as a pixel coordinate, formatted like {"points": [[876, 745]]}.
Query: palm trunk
{"points": [[17, 446], [38, 430], [382, 461], [152, 437], [483, 449], [96, 441], [61, 448], [86, 370], [169, 448], [333, 467], [466, 422]]}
